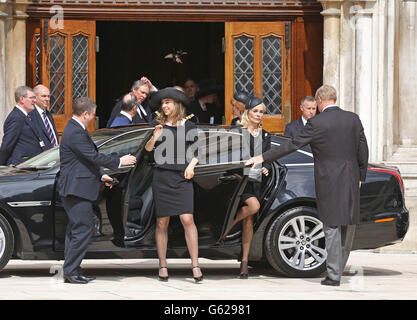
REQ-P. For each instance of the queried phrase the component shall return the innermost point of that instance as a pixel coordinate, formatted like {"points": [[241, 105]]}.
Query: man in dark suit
{"points": [[127, 112], [43, 118], [340, 163], [141, 90], [308, 110], [21, 139], [78, 185]]}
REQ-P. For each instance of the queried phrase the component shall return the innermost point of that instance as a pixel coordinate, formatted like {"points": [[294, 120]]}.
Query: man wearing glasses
{"points": [[141, 89], [21, 139]]}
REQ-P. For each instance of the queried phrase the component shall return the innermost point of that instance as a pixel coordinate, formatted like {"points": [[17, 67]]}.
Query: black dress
{"points": [[252, 189], [173, 194]]}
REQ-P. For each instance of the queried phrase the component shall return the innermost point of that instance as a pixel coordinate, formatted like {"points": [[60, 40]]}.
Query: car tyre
{"points": [[6, 242], [294, 243]]}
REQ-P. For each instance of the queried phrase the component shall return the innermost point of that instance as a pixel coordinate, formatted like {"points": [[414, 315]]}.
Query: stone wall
{"points": [[12, 53]]}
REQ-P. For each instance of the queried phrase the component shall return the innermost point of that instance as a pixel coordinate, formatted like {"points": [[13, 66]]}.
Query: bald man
{"points": [[43, 118]]}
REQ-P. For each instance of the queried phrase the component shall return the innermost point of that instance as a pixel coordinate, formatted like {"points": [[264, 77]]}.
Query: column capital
{"points": [[362, 7], [20, 7], [4, 9], [331, 7]]}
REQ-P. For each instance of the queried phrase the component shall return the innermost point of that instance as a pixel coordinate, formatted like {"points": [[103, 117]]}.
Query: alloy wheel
{"points": [[301, 243], [2, 242]]}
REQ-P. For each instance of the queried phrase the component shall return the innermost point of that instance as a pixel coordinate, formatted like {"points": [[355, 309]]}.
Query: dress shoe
{"points": [[83, 277], [118, 242], [244, 272], [163, 278], [74, 279], [197, 279], [329, 282]]}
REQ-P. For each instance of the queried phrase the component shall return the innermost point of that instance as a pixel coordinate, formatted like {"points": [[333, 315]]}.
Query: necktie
{"points": [[49, 129]]}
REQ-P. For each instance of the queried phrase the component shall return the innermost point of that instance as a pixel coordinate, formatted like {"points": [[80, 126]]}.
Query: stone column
{"points": [[4, 14], [365, 71], [331, 42], [12, 53], [407, 70]]}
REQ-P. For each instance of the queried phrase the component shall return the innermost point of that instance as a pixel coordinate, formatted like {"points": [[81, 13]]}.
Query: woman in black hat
{"points": [[172, 185], [251, 122], [204, 106], [239, 100]]}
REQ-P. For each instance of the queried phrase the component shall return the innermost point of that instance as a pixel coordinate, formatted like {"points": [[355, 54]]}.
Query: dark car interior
{"points": [[140, 214]]}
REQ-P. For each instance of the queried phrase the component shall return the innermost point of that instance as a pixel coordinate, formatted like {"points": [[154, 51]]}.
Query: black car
{"points": [[288, 234]]}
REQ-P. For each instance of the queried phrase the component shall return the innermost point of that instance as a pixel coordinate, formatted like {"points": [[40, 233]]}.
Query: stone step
{"points": [[408, 169], [405, 154]]}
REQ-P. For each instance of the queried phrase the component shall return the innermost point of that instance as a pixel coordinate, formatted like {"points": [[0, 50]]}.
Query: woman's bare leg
{"points": [[252, 207], [191, 238], [161, 237]]}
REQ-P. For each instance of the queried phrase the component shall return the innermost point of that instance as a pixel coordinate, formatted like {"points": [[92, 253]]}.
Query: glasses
{"points": [[31, 97]]}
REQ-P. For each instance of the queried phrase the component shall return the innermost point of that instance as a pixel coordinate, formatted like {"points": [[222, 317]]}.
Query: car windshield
{"points": [[118, 146]]}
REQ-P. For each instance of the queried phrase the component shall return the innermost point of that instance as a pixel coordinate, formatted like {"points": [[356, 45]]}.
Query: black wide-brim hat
{"points": [[252, 102], [207, 87], [241, 96], [168, 93]]}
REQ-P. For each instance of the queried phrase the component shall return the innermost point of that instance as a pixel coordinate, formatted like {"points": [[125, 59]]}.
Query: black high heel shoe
{"points": [[244, 272], [161, 278], [198, 279]]}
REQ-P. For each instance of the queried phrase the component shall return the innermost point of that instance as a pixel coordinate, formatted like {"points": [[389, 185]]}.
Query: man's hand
{"points": [[127, 160], [105, 178], [254, 161], [144, 79]]}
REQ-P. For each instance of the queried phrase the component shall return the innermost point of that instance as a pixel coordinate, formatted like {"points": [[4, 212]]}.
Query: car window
{"points": [[44, 160], [127, 143], [302, 156], [219, 146], [118, 146]]}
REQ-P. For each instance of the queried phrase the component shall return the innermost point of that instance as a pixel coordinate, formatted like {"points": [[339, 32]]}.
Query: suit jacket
{"points": [[38, 120], [21, 139], [136, 119], [204, 116], [294, 128], [340, 153], [81, 171], [121, 120]]}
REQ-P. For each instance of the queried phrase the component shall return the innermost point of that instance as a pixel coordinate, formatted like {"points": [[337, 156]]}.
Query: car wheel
{"points": [[295, 245], [6, 242]]}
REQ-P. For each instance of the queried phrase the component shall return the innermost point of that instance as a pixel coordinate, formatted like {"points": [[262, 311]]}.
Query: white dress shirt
{"points": [[303, 120], [127, 115], [23, 110], [40, 110]]}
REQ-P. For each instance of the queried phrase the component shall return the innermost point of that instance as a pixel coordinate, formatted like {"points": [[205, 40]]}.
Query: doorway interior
{"points": [[129, 50]]}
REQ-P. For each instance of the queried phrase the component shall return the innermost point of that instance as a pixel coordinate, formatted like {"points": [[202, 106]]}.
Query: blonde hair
{"points": [[326, 93], [179, 113], [245, 118]]}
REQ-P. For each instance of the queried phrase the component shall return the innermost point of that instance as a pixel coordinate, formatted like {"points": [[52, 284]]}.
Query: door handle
{"points": [[227, 178]]}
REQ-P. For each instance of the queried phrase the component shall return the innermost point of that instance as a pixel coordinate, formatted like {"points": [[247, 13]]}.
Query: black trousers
{"points": [[78, 234]]}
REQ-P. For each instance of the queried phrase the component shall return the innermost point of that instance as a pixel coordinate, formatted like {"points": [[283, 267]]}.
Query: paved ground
{"points": [[369, 275]]}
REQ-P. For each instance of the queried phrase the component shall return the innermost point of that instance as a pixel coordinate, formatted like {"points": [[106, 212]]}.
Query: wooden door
{"points": [[63, 59], [257, 60]]}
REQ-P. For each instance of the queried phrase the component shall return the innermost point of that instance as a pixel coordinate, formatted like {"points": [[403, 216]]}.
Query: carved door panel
{"points": [[257, 60], [63, 59]]}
